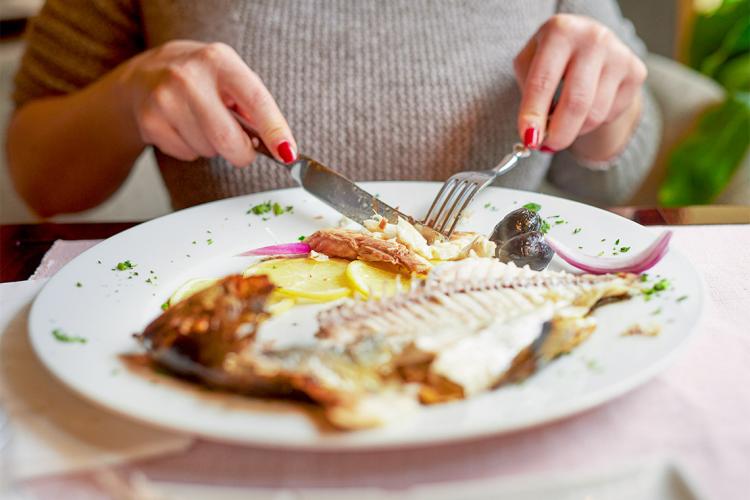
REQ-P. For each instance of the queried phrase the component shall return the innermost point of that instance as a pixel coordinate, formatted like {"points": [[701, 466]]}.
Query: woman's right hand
{"points": [[180, 94]]}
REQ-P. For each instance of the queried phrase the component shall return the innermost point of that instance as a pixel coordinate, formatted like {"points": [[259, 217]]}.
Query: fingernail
{"points": [[531, 138], [286, 152], [545, 149]]}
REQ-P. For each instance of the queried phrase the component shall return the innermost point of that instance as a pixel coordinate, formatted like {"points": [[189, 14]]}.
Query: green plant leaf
{"points": [[710, 30], [701, 166], [735, 74], [736, 42]]}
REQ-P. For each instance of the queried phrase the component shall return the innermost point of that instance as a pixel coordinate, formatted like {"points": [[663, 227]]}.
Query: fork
{"points": [[460, 190]]}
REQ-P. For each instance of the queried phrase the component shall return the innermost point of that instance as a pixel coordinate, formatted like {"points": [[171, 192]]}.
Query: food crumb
{"points": [[641, 330]]}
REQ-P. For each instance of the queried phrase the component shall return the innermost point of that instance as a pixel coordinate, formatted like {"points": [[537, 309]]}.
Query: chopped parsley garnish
{"points": [[592, 365], [210, 241], [624, 249], [644, 277], [534, 207], [560, 221], [681, 298], [600, 253], [270, 207], [260, 209], [545, 227], [603, 240], [659, 286], [617, 241], [79, 284], [489, 206], [165, 305], [577, 230], [64, 337], [194, 242], [123, 266], [302, 238]]}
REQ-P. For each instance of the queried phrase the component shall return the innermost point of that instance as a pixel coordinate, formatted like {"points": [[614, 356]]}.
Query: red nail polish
{"points": [[531, 138], [545, 149], [285, 152]]}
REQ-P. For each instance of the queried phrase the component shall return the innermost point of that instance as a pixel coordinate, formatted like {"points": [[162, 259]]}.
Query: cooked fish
{"points": [[475, 324], [469, 327], [399, 244], [349, 244]]}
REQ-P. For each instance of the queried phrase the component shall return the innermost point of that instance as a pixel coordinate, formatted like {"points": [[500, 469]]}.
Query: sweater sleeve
{"points": [[615, 180], [72, 43]]}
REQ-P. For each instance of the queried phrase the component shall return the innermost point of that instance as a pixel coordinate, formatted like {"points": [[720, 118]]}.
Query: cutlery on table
{"points": [[334, 189]]}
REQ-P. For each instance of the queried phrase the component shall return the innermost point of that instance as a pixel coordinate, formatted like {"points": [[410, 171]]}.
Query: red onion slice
{"points": [[283, 249], [636, 263]]}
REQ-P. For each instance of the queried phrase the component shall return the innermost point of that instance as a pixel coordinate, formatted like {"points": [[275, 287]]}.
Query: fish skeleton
{"points": [[471, 326]]}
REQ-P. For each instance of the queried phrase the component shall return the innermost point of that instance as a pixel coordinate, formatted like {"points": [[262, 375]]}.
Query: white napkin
{"points": [[645, 480], [51, 429]]}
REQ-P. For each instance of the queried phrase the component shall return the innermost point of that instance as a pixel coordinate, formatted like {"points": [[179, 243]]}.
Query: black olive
{"points": [[526, 249], [516, 223]]}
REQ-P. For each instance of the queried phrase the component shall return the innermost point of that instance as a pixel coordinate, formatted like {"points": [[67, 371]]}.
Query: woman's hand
{"points": [[600, 96], [180, 94]]}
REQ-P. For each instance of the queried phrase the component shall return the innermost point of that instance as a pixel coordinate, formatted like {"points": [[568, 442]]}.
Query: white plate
{"points": [[112, 305]]}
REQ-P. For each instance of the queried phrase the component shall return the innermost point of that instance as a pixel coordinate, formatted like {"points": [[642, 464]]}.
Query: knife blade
{"points": [[347, 198], [335, 190]]}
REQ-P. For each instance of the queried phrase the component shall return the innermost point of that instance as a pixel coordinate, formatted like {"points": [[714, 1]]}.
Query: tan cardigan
{"points": [[389, 89]]}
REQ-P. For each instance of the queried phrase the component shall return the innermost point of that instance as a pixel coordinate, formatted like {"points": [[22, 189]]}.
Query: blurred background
{"points": [[699, 71]]}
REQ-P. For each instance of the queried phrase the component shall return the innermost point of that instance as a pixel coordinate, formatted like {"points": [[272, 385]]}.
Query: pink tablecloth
{"points": [[695, 413]]}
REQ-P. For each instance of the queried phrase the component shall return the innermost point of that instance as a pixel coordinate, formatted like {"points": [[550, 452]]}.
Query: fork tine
{"points": [[452, 215], [450, 204], [455, 183], [449, 183], [468, 200]]}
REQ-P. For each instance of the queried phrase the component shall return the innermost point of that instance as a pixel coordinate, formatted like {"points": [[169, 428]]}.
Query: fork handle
{"points": [[511, 160]]}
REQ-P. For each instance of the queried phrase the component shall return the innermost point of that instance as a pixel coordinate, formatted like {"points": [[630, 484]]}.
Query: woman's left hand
{"points": [[601, 78]]}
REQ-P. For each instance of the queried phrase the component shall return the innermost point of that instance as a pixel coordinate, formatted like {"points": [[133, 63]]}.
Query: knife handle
{"points": [[258, 143]]}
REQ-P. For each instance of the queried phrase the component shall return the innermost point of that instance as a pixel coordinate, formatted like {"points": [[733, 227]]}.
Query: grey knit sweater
{"points": [[388, 89]]}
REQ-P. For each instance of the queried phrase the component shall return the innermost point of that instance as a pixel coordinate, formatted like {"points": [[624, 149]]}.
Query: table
{"points": [[22, 246], [700, 413]]}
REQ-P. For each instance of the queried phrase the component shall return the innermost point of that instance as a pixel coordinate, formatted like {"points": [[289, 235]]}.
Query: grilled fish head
{"points": [[201, 330]]}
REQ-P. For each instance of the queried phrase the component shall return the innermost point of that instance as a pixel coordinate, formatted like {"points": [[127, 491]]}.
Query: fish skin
{"points": [[348, 244], [376, 359], [202, 329]]}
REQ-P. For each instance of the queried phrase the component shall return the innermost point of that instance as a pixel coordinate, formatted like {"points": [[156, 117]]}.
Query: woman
{"points": [[395, 89]]}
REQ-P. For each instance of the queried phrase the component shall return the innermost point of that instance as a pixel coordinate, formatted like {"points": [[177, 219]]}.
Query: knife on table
{"points": [[335, 190]]}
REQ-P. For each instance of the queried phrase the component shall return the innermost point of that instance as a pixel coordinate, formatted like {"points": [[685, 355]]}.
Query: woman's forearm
{"points": [[609, 139], [71, 152]]}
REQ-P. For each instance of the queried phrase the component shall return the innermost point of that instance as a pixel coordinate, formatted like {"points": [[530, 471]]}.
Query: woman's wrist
{"points": [[609, 139]]}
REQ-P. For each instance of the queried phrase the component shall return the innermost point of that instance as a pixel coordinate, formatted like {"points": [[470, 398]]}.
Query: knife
{"points": [[335, 190]]}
